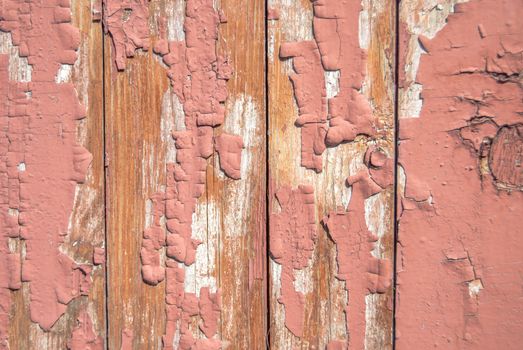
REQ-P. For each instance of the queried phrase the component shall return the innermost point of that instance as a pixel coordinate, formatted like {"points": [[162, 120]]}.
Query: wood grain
{"points": [[141, 112], [241, 203], [136, 148], [87, 218], [325, 295]]}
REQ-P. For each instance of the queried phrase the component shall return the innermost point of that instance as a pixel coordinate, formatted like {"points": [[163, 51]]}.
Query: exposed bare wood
{"points": [[241, 203]]}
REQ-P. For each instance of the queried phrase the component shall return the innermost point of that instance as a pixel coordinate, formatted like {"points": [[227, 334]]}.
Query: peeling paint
{"points": [[83, 336], [355, 243], [293, 234], [198, 87], [126, 22], [39, 119], [336, 47]]}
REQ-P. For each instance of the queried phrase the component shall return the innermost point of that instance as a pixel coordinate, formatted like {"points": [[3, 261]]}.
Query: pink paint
{"points": [[363, 273], [8, 223], [127, 339], [127, 24], [98, 256], [181, 307], [273, 14], [229, 148], [459, 252], [292, 239], [310, 94], [39, 122], [336, 30], [335, 47], [84, 336]]}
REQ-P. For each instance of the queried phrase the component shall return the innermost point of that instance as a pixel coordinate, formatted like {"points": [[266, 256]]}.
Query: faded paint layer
{"points": [[41, 161], [459, 252]]}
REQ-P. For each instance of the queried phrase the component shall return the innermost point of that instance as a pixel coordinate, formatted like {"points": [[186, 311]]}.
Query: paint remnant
{"points": [[126, 22], [273, 14], [98, 256], [335, 48], [198, 77], [362, 272], [229, 148], [127, 339], [84, 336], [311, 100], [292, 239]]}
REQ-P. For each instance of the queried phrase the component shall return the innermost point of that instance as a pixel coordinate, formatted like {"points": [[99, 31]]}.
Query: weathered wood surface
{"points": [[305, 212], [86, 221], [326, 296], [142, 111]]}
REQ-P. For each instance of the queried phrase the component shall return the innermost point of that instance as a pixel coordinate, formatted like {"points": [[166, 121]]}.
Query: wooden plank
{"points": [[86, 219], [323, 321], [459, 249], [241, 203], [142, 110], [136, 146]]}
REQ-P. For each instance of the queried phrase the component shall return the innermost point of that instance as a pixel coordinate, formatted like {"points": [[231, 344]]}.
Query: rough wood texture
{"points": [[141, 113], [325, 295], [87, 219], [241, 233]]}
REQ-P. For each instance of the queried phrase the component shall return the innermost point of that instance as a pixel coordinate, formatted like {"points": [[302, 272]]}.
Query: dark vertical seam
{"points": [[105, 163], [396, 164], [267, 176]]}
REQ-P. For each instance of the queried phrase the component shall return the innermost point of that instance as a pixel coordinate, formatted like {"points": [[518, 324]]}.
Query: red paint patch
{"points": [[84, 337], [229, 147], [293, 235], [127, 339], [310, 94], [198, 77], [335, 47]]}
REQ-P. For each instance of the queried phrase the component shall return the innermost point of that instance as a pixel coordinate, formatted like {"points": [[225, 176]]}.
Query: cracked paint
{"points": [[363, 273], [41, 161], [459, 242], [292, 239]]}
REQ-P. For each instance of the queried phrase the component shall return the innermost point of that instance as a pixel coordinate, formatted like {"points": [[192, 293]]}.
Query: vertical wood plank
{"points": [[136, 148], [241, 203], [459, 242], [325, 295], [142, 110], [86, 221]]}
